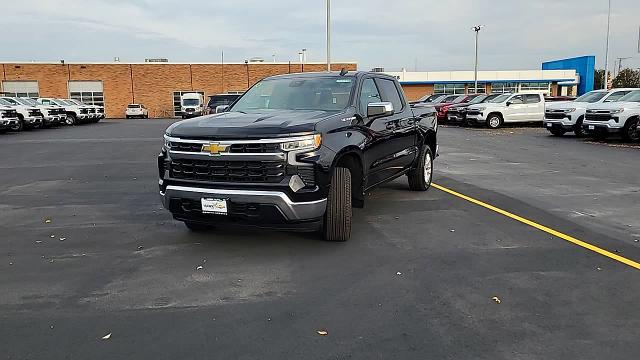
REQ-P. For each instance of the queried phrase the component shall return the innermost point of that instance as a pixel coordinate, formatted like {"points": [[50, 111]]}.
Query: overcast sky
{"points": [[435, 35]]}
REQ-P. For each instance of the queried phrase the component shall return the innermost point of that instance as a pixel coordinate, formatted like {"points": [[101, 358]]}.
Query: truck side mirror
{"points": [[380, 109], [509, 103], [222, 108]]}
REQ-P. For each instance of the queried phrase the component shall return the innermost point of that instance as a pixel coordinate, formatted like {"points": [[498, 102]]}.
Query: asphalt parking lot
{"points": [[87, 251]]}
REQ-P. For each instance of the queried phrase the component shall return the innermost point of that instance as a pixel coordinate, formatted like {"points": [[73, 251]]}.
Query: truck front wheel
{"points": [[337, 218], [420, 177]]}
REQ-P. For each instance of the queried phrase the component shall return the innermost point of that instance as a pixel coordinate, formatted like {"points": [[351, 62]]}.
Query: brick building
{"points": [[156, 85]]}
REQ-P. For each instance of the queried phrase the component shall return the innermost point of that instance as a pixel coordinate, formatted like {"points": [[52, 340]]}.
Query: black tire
{"points": [[71, 120], [630, 131], [21, 125], [419, 178], [337, 218], [197, 227], [577, 128], [494, 121], [127, 116], [557, 132]]}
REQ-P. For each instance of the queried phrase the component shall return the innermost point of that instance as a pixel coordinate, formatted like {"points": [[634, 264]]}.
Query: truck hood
{"points": [[239, 125], [614, 106], [561, 105]]}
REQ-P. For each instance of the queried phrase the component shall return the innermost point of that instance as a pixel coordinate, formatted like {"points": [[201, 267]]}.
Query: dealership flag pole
{"points": [[328, 35], [606, 54]]}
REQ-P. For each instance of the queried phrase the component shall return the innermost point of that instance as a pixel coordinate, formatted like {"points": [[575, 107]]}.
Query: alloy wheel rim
{"points": [[427, 169], [494, 122]]}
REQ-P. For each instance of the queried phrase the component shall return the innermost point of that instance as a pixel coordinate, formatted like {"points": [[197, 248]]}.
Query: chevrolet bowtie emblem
{"points": [[214, 148]]}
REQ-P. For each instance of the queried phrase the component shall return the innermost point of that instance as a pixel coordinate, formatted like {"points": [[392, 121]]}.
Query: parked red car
{"points": [[443, 108]]}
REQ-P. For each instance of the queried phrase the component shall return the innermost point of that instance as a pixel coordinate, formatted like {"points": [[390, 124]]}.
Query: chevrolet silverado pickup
{"points": [[8, 118], [296, 152], [620, 117], [562, 117]]}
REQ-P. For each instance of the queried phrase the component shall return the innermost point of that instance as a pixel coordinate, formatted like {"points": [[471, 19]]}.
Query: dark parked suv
{"points": [[296, 152]]}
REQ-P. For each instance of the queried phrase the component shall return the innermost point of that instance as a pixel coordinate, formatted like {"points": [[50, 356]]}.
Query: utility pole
{"points": [[329, 35], [475, 71], [620, 64], [606, 54]]}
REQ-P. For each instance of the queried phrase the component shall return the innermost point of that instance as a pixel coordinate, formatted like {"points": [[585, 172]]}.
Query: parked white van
{"points": [[192, 104], [507, 108], [566, 116]]}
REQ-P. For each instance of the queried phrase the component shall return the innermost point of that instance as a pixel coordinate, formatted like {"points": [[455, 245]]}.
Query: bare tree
{"points": [[627, 78]]}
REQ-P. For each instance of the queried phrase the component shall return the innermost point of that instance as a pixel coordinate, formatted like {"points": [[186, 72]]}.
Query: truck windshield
{"points": [[320, 93], [5, 103], [633, 96], [478, 99], [499, 99], [27, 102], [190, 102], [591, 97]]}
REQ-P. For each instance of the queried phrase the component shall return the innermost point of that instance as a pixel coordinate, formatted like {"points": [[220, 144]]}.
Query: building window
{"points": [[538, 86], [482, 88], [20, 89], [176, 100], [503, 88], [88, 92], [448, 88]]}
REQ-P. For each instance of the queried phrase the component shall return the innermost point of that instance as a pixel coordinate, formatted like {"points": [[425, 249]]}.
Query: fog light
{"points": [[296, 183]]}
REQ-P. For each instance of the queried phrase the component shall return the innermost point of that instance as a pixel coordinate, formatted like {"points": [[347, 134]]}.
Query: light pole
{"points": [[328, 35], [606, 54], [475, 71]]}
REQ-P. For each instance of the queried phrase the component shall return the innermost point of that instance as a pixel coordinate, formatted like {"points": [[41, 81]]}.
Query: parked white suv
{"points": [[507, 108], [30, 116], [8, 118], [136, 110], [565, 116], [619, 117], [75, 113]]}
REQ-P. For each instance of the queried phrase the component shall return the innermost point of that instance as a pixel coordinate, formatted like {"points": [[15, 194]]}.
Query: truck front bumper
{"points": [[476, 118], [33, 120], [599, 126], [7, 123], [558, 124], [270, 209]]}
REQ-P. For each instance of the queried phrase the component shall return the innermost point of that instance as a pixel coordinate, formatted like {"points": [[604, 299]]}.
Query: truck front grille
{"points": [[242, 148], [593, 116], [35, 113], [9, 114], [228, 171], [555, 115]]}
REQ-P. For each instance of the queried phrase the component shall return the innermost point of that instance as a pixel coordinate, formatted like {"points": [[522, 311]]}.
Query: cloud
{"points": [[434, 34]]}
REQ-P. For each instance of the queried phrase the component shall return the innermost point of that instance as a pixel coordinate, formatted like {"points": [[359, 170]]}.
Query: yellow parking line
{"points": [[548, 230]]}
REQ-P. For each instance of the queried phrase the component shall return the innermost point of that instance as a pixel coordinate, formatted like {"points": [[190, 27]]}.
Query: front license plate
{"points": [[591, 127], [214, 206], [549, 125]]}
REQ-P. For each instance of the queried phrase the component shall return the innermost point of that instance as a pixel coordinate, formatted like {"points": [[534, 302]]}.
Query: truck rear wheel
{"points": [[337, 218], [420, 177]]}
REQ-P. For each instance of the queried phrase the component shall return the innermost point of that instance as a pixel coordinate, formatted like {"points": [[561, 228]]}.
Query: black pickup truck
{"points": [[296, 152]]}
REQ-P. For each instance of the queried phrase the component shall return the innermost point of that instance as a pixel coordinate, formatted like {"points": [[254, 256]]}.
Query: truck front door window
{"points": [[368, 94]]}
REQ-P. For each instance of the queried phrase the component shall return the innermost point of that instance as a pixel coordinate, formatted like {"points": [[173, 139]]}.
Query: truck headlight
{"points": [[570, 110], [310, 142], [617, 111], [481, 109]]}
